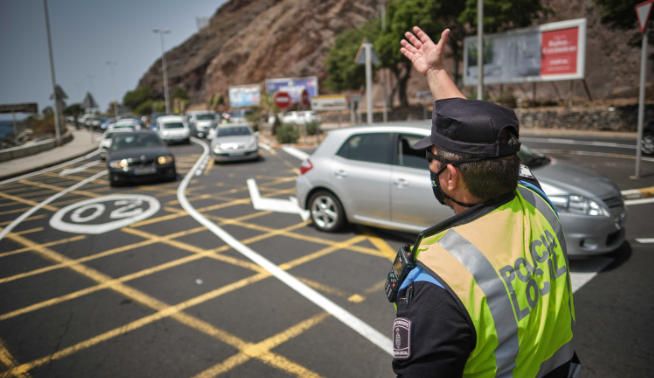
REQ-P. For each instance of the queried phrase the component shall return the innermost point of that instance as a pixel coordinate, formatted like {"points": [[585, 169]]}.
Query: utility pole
{"points": [[112, 64], [52, 75], [480, 49], [161, 33]]}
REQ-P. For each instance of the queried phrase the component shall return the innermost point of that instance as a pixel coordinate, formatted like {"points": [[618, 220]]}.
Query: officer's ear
{"points": [[453, 178]]}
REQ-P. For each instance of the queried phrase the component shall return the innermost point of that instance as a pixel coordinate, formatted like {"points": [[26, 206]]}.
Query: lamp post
{"points": [[112, 64], [52, 75], [480, 49], [161, 33]]}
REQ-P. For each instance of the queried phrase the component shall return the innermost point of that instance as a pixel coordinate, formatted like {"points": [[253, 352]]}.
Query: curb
{"points": [[47, 165], [633, 194]]}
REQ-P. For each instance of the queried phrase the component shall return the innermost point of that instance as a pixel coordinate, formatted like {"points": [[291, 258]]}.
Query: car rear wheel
{"points": [[647, 144], [326, 211]]}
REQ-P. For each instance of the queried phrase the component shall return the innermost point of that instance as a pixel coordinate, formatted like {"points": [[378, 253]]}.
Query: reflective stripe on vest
{"points": [[563, 355], [498, 300]]}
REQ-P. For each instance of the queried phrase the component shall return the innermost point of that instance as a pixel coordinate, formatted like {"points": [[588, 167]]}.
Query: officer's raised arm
{"points": [[427, 58]]}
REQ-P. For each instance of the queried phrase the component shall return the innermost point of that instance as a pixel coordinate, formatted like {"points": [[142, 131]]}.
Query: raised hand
{"points": [[422, 51]]}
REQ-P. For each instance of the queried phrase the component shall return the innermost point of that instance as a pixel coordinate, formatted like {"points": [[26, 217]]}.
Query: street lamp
{"points": [[161, 33], [112, 64], [52, 75]]}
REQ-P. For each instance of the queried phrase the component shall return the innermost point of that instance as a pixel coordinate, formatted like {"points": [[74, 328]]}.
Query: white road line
{"points": [[641, 201], [265, 147], [34, 209], [289, 206], [54, 167], [295, 152], [645, 240], [578, 142], [81, 168], [585, 270], [321, 301]]}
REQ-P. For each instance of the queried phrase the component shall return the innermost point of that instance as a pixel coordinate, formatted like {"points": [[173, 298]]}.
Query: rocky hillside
{"points": [[248, 41]]}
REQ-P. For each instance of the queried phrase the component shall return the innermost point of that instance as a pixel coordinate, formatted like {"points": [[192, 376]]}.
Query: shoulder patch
{"points": [[401, 338]]}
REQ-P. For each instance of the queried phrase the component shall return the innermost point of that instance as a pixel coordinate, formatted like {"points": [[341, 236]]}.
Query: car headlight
{"points": [[578, 204], [119, 164], [164, 159]]}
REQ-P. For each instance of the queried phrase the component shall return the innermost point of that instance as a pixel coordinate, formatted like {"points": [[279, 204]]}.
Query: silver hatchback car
{"points": [[234, 143], [371, 175]]}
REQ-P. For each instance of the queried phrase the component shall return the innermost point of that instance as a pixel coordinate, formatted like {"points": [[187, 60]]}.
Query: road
{"points": [[188, 279]]}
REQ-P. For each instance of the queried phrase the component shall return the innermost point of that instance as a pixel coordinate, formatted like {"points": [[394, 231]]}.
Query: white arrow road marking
{"points": [[48, 169], [31, 211], [645, 240], [585, 270], [289, 206], [318, 299], [81, 168], [295, 152]]}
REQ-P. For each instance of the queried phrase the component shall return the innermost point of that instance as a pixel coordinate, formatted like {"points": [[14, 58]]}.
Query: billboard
{"points": [[242, 96], [554, 51], [294, 86]]}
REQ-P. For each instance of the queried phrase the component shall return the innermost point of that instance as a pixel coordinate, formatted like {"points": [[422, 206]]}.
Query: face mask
{"points": [[438, 192], [435, 185]]}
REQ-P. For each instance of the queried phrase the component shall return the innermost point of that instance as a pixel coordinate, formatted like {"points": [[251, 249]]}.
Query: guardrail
{"points": [[34, 148]]}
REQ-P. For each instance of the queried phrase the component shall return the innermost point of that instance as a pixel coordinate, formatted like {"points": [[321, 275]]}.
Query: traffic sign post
{"points": [[282, 100], [366, 55], [642, 12]]}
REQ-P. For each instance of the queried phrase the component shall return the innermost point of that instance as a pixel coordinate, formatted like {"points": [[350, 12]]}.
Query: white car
{"points": [[202, 122], [173, 129], [235, 142], [300, 117], [126, 124], [105, 143]]}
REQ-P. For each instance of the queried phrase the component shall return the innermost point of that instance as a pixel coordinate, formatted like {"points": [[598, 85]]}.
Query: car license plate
{"points": [[144, 170], [237, 154]]}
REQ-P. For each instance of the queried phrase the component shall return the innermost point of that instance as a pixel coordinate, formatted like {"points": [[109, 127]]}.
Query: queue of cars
{"points": [[371, 175]]}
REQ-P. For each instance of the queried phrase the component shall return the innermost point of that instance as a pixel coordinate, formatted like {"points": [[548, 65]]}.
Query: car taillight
{"points": [[306, 166]]}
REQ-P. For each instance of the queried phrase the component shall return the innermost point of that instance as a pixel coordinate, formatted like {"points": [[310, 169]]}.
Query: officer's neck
{"points": [[464, 196]]}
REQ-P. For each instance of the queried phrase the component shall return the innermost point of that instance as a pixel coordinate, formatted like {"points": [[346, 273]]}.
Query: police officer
{"points": [[487, 292]]}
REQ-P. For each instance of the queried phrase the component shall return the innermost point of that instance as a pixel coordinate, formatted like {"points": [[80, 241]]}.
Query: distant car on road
{"points": [[647, 144], [201, 122], [129, 124], [105, 143], [173, 129], [234, 142], [371, 175], [300, 117], [139, 155]]}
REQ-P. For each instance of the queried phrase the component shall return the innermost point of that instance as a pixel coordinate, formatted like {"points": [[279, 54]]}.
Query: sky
{"points": [[86, 34]]}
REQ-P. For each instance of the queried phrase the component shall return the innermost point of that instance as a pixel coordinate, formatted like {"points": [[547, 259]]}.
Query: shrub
{"points": [[313, 128], [287, 133]]}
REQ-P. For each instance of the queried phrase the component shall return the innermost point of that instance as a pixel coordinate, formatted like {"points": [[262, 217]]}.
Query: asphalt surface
{"points": [[82, 294]]}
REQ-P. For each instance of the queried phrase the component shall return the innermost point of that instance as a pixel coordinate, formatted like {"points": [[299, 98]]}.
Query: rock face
{"points": [[248, 41]]}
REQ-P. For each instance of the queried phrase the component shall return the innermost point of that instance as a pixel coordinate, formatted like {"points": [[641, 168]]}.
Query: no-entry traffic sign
{"points": [[282, 100]]}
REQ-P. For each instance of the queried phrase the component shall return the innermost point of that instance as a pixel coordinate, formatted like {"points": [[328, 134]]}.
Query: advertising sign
{"points": [[244, 96], [554, 51], [29, 107], [294, 86], [332, 102]]}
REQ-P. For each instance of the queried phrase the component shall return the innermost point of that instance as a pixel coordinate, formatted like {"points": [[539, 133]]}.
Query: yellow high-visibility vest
{"points": [[509, 269]]}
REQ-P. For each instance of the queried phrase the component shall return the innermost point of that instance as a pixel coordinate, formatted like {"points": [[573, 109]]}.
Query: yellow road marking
{"points": [[256, 350], [382, 246], [49, 244], [8, 360], [14, 211], [58, 188], [356, 298], [376, 288], [322, 287], [26, 202], [33, 217], [209, 166], [30, 231], [144, 299]]}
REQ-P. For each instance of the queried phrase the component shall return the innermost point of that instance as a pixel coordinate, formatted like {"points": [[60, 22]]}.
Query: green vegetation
{"points": [[287, 133], [313, 128]]}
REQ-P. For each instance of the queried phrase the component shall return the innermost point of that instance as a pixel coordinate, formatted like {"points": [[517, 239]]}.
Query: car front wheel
{"points": [[326, 211]]}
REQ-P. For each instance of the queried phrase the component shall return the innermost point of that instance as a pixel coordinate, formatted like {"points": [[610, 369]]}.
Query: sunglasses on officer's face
{"points": [[431, 156]]}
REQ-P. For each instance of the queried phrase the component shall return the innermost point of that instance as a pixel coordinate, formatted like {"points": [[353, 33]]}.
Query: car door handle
{"points": [[340, 173], [401, 182]]}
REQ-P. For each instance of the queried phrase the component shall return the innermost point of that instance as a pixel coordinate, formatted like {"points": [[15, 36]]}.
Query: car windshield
{"points": [[206, 117], [531, 158], [173, 125], [233, 131], [121, 141]]}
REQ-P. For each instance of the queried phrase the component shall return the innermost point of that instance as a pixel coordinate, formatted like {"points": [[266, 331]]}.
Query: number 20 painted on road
{"points": [[114, 211]]}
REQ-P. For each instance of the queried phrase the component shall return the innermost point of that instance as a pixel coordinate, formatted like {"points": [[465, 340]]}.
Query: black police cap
{"points": [[472, 127]]}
